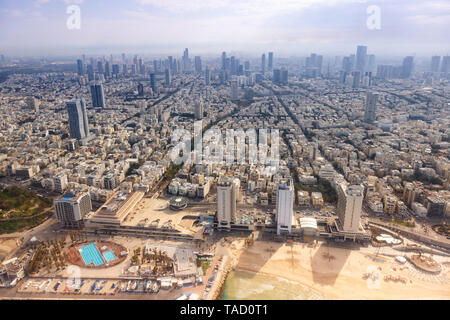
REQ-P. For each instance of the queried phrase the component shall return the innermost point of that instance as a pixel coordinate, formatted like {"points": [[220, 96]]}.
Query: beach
{"points": [[337, 273]]}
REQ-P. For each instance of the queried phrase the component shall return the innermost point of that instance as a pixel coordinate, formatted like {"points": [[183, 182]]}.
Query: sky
{"points": [[287, 27]]}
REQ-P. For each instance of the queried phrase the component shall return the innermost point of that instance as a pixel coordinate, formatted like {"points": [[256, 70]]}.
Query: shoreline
{"points": [[278, 277], [338, 273]]}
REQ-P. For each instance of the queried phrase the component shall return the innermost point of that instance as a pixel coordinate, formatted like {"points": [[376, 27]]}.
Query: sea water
{"points": [[245, 285]]}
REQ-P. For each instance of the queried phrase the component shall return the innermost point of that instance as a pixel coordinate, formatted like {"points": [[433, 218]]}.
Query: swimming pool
{"points": [[90, 254], [109, 256]]}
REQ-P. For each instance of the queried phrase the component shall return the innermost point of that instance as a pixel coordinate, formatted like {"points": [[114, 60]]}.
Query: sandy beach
{"points": [[337, 273]]}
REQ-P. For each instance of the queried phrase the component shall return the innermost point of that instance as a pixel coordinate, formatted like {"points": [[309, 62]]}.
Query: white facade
{"points": [[350, 198], [285, 202], [226, 203], [71, 208]]}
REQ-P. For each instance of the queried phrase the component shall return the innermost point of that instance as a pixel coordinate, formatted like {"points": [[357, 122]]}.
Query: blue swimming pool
{"points": [[109, 256], [91, 254]]}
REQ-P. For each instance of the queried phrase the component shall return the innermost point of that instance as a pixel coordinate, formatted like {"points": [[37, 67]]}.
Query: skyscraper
{"points": [[198, 64], [198, 111], [445, 67], [107, 70], [171, 66], [80, 67], [140, 89], [90, 72], [226, 202], [370, 63], [186, 61], [207, 77], [361, 57], [276, 76], [100, 68], [284, 76], [263, 63], [224, 60], [435, 61], [98, 97], [370, 112], [168, 78], [78, 122], [285, 202], [232, 65], [349, 206], [115, 70], [153, 83], [270, 63], [234, 90], [407, 67]]}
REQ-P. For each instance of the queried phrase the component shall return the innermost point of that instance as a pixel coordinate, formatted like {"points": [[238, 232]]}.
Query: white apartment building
{"points": [[226, 203], [350, 198], [285, 202], [71, 208]]}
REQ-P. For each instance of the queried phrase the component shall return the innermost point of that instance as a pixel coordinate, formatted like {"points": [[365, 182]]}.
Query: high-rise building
{"points": [[270, 62], [435, 61], [90, 72], [198, 64], [224, 60], [72, 208], [370, 63], [263, 63], [226, 202], [232, 65], [445, 67], [186, 61], [78, 120], [370, 111], [100, 68], [98, 96], [171, 64], [349, 207], [407, 67], [168, 78], [33, 103], [198, 111], [207, 77], [234, 90], [107, 70], [361, 57], [276, 76], [115, 70], [346, 64], [285, 203], [284, 76], [140, 89], [435, 207], [80, 67], [153, 83]]}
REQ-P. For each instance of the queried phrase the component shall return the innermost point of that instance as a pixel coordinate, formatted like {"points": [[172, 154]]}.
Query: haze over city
{"points": [[224, 150], [292, 27]]}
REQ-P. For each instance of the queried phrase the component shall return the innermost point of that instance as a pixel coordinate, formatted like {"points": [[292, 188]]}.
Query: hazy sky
{"points": [[288, 27]]}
